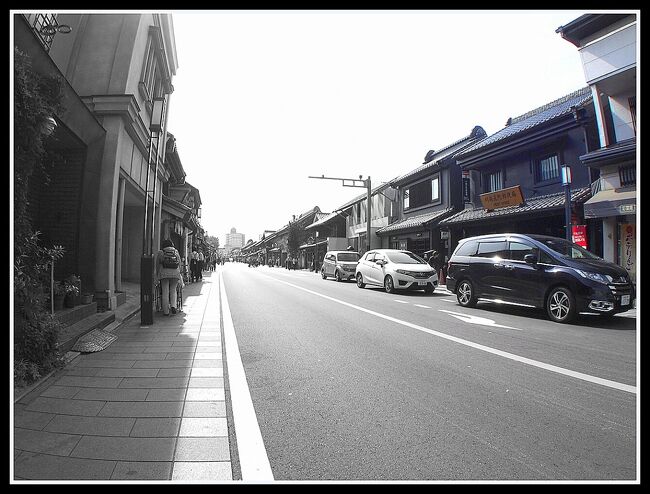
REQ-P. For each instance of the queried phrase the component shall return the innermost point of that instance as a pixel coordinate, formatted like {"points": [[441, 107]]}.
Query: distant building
{"points": [[234, 240]]}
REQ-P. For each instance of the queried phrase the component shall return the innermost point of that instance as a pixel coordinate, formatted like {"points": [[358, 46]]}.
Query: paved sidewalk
{"points": [[151, 406]]}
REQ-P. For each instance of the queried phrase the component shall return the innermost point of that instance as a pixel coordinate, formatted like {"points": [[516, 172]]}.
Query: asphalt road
{"points": [[357, 384]]}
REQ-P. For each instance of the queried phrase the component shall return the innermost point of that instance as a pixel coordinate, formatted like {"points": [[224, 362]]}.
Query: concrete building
{"points": [[234, 240], [607, 44], [117, 71]]}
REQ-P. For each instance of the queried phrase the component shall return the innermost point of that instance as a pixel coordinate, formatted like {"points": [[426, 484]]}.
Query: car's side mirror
{"points": [[531, 259]]}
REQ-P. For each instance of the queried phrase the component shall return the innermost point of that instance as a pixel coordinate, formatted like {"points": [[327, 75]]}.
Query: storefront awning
{"points": [[419, 221], [533, 205], [306, 246], [611, 203]]}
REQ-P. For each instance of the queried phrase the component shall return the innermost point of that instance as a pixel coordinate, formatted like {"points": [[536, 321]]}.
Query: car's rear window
{"points": [[348, 256], [467, 249]]}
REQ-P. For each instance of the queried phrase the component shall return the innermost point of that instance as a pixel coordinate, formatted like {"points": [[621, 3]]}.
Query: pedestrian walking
{"points": [[168, 274], [194, 259], [200, 265]]}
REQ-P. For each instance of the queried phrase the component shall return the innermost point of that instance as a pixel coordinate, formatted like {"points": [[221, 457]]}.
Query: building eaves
{"points": [[361, 197], [418, 221], [534, 204], [530, 120], [586, 25], [322, 219], [435, 158]]}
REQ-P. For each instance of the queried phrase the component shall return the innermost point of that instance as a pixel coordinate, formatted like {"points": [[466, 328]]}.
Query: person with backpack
{"points": [[168, 272]]}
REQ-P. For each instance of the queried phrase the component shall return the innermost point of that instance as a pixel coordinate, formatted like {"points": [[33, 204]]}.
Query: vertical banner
{"points": [[579, 235], [628, 248]]}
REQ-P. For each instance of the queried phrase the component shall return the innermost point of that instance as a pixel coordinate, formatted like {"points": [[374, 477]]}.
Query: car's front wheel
{"points": [[465, 294], [322, 273], [360, 282], [561, 305], [337, 275], [388, 284]]}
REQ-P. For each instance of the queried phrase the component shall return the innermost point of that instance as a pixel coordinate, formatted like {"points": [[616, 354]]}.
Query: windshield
{"points": [[404, 258], [568, 249], [348, 256]]}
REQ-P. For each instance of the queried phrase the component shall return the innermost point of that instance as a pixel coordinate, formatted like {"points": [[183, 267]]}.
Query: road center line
{"points": [[253, 459], [535, 363]]}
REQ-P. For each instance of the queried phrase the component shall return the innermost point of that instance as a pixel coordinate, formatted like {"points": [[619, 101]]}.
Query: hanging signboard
{"points": [[503, 198], [579, 235]]}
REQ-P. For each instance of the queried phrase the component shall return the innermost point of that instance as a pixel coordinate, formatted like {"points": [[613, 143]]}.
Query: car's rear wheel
{"points": [[561, 305], [337, 275], [388, 284], [360, 282], [465, 294]]}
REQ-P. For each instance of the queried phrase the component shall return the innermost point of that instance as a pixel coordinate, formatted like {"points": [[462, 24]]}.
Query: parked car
{"points": [[539, 271], [340, 264], [395, 269]]}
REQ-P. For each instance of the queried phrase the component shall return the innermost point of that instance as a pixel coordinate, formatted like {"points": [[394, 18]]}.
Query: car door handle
{"points": [[497, 265], [509, 267]]}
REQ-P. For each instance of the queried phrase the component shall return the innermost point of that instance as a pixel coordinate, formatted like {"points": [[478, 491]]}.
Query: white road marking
{"points": [[511, 356], [253, 459], [401, 301], [423, 306], [484, 321]]}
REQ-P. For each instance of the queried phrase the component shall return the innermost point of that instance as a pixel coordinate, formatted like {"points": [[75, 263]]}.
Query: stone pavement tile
{"points": [[172, 349], [91, 426], [205, 409], [206, 382], [209, 337], [56, 391], [112, 394], [202, 449], [175, 372], [81, 371], [37, 466], [205, 394], [209, 343], [179, 355], [142, 470], [30, 420], [89, 382], [125, 448], [207, 363], [207, 356], [44, 442], [154, 382], [156, 427], [207, 348], [186, 344], [107, 362], [124, 350], [162, 364], [207, 372], [203, 427], [66, 406], [143, 409], [202, 470], [172, 394], [126, 372]]}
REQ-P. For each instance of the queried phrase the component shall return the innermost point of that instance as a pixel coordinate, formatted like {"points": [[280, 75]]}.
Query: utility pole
{"points": [[353, 182]]}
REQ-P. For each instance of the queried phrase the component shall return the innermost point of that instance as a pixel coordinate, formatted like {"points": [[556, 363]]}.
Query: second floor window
{"points": [[627, 175], [492, 181], [547, 168], [422, 193], [435, 189], [407, 193]]}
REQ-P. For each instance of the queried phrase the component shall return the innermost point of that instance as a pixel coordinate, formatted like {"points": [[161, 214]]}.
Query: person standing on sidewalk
{"points": [[168, 272]]}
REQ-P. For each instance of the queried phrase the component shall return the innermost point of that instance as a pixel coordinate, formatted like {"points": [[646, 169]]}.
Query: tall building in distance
{"points": [[234, 240]]}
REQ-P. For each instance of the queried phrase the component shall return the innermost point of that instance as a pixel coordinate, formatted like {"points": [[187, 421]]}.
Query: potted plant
{"points": [[86, 298], [71, 285], [59, 295]]}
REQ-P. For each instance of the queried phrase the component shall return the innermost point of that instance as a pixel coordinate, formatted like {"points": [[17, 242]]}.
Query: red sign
{"points": [[579, 235]]}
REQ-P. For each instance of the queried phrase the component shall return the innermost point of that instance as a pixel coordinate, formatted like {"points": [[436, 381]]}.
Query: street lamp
{"points": [[156, 127], [566, 182]]}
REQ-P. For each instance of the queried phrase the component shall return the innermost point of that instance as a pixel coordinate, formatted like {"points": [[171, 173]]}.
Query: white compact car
{"points": [[395, 270]]}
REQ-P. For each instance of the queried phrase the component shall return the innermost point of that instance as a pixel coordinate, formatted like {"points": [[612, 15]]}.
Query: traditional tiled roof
{"points": [[363, 196], [414, 221], [560, 107], [433, 158], [321, 219], [545, 202]]}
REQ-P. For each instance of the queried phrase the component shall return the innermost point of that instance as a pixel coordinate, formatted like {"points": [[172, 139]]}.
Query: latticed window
{"points": [[547, 168], [492, 181], [45, 26], [627, 175]]}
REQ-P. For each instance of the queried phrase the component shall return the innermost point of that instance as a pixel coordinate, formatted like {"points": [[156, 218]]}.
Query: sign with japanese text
{"points": [[503, 198], [628, 248], [579, 235]]}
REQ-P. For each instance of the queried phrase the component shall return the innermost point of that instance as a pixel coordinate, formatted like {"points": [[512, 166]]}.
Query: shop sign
{"points": [[503, 198], [579, 235], [628, 244]]}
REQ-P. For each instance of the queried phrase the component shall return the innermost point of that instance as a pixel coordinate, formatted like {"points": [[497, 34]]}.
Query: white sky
{"points": [[263, 99]]}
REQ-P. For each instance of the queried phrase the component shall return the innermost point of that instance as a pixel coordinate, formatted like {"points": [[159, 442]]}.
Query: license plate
{"points": [[625, 300], [422, 283]]}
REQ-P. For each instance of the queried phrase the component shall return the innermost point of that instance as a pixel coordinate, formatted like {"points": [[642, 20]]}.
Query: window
{"points": [[547, 168], [627, 175], [493, 249], [632, 102], [492, 181], [155, 80], [406, 198], [467, 249], [435, 189], [518, 251]]}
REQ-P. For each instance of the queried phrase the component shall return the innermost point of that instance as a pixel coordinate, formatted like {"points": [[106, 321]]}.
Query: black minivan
{"points": [[539, 271]]}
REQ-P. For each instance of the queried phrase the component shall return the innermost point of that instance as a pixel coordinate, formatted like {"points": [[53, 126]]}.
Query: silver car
{"points": [[340, 264], [395, 269]]}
